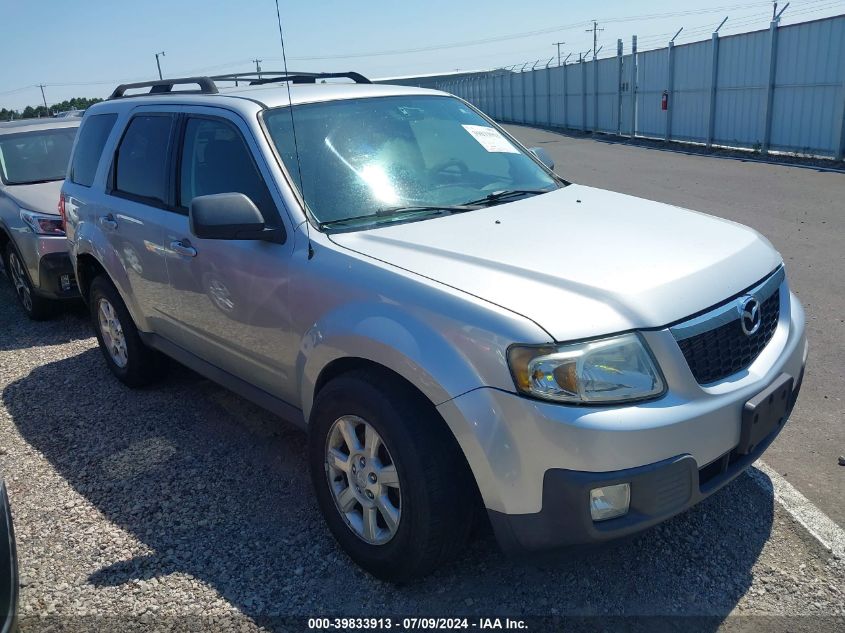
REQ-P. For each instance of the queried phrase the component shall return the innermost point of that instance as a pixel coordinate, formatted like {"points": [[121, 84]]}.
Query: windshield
{"points": [[31, 157], [368, 159]]}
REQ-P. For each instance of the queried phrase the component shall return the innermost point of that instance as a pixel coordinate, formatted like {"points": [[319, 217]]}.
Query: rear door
{"points": [[137, 197], [231, 295]]}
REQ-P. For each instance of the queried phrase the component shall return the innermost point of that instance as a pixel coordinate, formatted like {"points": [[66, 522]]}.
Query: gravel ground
{"points": [[184, 507]]}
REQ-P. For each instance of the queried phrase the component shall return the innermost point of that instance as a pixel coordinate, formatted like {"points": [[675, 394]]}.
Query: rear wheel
{"points": [[127, 357], [389, 476], [36, 308]]}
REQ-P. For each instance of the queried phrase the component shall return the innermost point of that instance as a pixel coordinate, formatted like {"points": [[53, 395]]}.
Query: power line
{"points": [[523, 34], [21, 89]]}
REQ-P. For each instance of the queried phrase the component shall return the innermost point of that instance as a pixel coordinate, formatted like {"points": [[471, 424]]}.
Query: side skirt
{"points": [[275, 405]]}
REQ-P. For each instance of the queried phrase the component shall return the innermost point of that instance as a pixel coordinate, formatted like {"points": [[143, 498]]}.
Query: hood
{"points": [[42, 197], [580, 262]]}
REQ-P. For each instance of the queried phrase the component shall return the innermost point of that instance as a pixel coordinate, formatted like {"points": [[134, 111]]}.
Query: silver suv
{"points": [[33, 160], [454, 325]]}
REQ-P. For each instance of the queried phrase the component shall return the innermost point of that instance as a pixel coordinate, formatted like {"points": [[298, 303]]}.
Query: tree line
{"points": [[32, 112]]}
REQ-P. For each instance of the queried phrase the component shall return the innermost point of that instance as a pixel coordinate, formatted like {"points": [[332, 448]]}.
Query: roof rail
{"points": [[207, 85], [257, 79], [163, 86]]}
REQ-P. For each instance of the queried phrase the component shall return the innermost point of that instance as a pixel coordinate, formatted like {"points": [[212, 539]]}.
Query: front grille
{"points": [[725, 350]]}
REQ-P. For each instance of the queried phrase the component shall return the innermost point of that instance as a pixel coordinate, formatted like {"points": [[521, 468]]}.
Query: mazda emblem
{"points": [[750, 315]]}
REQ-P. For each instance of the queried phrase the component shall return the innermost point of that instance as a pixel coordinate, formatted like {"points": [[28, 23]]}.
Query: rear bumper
{"points": [[658, 492]]}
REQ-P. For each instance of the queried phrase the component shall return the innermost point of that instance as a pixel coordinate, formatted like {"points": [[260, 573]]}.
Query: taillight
{"points": [[62, 211]]}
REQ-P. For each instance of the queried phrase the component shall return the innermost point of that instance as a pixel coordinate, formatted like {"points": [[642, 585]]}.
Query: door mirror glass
{"points": [[543, 156], [227, 216]]}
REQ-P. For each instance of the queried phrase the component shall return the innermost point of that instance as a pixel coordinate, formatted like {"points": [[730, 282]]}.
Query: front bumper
{"points": [[532, 459], [658, 492], [56, 277], [48, 263]]}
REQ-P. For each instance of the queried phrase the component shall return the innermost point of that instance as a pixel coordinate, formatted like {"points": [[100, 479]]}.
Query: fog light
{"points": [[609, 502]]}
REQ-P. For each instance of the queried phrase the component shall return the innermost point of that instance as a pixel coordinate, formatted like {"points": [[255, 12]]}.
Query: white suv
{"points": [[453, 324]]}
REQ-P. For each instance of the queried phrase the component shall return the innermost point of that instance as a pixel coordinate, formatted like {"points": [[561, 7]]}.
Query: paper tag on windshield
{"points": [[491, 139]]}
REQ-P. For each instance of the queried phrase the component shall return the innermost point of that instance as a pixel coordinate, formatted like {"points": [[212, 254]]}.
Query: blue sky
{"points": [[85, 47]]}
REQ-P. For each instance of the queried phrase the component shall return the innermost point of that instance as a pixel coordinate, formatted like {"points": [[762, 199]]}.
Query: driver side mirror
{"points": [[543, 156], [229, 216]]}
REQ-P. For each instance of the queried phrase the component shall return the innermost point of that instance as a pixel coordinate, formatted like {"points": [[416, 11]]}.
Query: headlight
{"points": [[610, 370], [43, 223]]}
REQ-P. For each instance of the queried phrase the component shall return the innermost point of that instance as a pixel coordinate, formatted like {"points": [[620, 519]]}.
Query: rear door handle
{"points": [[108, 222], [183, 247]]}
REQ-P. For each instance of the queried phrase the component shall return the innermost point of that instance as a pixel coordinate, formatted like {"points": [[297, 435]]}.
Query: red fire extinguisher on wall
{"points": [[664, 100]]}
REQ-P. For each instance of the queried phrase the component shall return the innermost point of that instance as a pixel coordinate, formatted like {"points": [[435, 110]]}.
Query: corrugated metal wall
{"points": [[781, 89]]}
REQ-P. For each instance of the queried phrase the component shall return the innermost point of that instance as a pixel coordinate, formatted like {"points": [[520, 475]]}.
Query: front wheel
{"points": [[389, 476], [36, 308]]}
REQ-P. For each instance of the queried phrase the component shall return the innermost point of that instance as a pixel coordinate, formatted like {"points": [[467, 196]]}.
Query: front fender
{"points": [[385, 334]]}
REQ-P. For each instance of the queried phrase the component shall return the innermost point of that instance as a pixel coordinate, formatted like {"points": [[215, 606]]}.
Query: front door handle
{"points": [[183, 247], [108, 222]]}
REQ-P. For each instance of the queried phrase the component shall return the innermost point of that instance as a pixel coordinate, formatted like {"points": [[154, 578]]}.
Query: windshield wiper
{"points": [[397, 212], [499, 196]]}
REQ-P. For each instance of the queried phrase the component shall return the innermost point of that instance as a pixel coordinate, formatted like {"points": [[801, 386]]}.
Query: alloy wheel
{"points": [[363, 480], [112, 333], [20, 281]]}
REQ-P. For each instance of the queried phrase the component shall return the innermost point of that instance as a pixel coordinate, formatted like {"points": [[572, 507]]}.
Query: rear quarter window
{"points": [[89, 147]]}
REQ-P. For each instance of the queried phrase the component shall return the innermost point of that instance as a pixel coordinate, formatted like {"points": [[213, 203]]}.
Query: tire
{"points": [[132, 362], [436, 495], [36, 308]]}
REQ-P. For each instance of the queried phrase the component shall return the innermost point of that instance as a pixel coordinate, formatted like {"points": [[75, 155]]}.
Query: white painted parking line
{"points": [[816, 522]]}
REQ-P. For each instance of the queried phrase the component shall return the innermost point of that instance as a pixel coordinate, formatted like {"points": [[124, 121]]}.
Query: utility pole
{"points": [[43, 98], [595, 31], [258, 66], [558, 44], [158, 63]]}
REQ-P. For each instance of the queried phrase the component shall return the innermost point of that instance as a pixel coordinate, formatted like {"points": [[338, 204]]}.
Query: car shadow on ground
{"points": [[219, 489]]}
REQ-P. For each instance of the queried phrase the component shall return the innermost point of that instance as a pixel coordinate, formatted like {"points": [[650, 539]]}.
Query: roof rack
{"points": [[257, 79], [208, 86], [163, 86]]}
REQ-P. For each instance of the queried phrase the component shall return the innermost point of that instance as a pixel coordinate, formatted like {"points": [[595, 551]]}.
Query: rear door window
{"points": [[140, 166], [216, 159], [92, 138]]}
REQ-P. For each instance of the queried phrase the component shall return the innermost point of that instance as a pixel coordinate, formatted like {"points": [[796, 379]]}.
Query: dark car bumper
{"points": [[56, 277], [659, 491]]}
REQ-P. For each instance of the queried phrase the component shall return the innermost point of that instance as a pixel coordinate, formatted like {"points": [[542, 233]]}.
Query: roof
{"points": [[249, 99], [31, 125], [275, 95]]}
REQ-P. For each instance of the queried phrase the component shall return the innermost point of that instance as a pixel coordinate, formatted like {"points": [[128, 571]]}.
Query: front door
{"points": [[231, 296]]}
